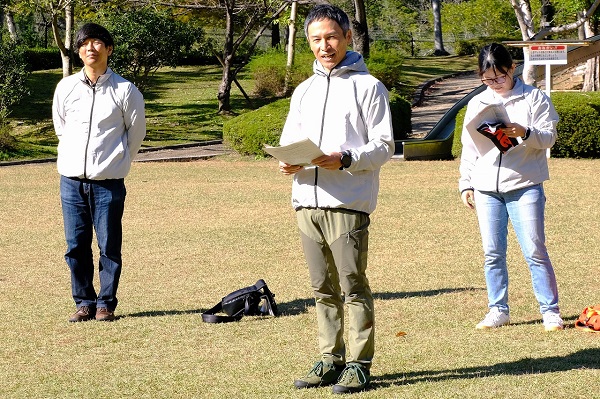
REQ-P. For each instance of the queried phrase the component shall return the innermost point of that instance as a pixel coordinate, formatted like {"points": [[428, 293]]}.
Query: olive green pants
{"points": [[335, 244]]}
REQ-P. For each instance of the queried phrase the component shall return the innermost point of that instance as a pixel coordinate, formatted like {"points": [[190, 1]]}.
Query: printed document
{"points": [[486, 129], [298, 153]]}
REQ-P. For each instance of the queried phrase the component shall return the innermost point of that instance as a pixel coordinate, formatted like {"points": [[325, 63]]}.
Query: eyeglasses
{"points": [[498, 80]]}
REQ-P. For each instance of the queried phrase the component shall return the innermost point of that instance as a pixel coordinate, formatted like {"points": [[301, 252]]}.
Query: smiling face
{"points": [[94, 54], [328, 42]]}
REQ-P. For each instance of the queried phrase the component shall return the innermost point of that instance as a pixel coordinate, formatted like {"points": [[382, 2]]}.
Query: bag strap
{"points": [[210, 317]]}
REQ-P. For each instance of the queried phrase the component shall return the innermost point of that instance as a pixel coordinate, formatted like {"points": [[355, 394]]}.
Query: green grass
{"points": [[181, 106], [194, 232]]}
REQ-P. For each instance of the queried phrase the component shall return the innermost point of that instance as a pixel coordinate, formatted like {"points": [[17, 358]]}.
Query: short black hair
{"points": [[94, 31], [327, 11], [494, 56]]}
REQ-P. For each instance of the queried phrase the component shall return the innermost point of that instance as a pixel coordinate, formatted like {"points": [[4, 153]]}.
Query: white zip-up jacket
{"points": [[522, 166], [347, 109], [100, 129]]}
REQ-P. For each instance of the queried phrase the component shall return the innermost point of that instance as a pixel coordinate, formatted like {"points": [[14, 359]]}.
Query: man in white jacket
{"points": [[100, 123], [345, 111]]}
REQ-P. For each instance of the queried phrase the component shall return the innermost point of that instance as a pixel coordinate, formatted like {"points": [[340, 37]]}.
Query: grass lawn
{"points": [[181, 106], [197, 231]]}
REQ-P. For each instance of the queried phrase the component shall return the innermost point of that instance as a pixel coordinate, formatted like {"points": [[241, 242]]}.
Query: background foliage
{"points": [[147, 39]]}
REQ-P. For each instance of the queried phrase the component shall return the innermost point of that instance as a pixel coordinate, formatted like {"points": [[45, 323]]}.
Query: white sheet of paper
{"points": [[298, 153], [492, 113]]}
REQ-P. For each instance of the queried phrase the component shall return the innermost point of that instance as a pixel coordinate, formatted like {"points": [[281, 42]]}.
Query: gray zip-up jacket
{"points": [[100, 129], [485, 168], [347, 109]]}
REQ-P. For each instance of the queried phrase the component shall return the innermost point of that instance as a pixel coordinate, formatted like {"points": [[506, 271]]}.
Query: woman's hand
{"points": [[468, 198], [514, 130]]}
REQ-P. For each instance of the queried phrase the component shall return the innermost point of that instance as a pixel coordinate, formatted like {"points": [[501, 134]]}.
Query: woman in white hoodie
{"points": [[509, 185]]}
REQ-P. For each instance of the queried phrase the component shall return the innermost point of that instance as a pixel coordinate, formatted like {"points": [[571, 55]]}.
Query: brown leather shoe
{"points": [[83, 314], [103, 314]]}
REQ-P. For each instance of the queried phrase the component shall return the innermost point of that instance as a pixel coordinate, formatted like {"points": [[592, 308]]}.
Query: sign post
{"points": [[548, 54]]}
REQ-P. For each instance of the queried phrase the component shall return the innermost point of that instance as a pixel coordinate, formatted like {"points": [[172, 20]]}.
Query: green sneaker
{"points": [[354, 378], [320, 375]]}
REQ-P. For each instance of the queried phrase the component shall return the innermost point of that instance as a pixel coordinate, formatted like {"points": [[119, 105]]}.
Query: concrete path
{"points": [[439, 96]]}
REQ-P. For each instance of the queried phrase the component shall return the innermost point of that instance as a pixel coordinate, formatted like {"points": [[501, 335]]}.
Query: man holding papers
{"points": [[344, 111]]}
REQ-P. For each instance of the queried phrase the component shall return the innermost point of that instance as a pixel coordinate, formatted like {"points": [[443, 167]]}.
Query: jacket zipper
{"points": [[87, 144], [498, 174], [321, 137]]}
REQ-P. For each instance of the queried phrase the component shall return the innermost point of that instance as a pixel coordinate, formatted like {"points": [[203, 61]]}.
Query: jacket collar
{"points": [[103, 78]]}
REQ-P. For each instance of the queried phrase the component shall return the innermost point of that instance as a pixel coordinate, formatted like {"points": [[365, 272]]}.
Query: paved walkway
{"points": [[438, 97]]}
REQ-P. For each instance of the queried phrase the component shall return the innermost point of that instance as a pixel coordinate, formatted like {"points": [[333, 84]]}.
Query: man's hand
{"points": [[331, 161], [288, 169], [468, 198]]}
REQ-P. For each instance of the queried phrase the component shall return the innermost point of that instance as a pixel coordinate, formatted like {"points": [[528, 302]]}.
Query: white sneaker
{"points": [[552, 321], [494, 318]]}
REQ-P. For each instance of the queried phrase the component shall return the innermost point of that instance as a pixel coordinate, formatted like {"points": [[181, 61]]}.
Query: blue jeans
{"points": [[525, 208], [89, 205]]}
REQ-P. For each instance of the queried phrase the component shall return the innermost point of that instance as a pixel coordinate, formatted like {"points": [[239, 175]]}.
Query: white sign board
{"points": [[548, 54]]}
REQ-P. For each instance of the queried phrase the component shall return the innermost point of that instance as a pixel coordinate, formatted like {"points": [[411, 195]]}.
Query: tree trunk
{"points": [[523, 14], [436, 6], [591, 81], [224, 94], [65, 46], [10, 25], [360, 37], [291, 48], [69, 24]]}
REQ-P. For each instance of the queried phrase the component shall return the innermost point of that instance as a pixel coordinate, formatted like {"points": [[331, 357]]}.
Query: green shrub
{"points": [[579, 125], [456, 143], [268, 71], [247, 133], [387, 67], [401, 115], [578, 129], [41, 59]]}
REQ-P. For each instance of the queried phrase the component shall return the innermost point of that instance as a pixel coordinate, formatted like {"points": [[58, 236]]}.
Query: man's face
{"points": [[94, 53], [328, 42]]}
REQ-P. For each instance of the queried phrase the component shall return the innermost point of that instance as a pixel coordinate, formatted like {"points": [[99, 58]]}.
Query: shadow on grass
{"points": [[582, 359], [300, 306]]}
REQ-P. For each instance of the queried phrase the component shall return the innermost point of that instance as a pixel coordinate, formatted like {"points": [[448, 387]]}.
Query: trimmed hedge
{"points": [[578, 129], [247, 133], [39, 59], [579, 125]]}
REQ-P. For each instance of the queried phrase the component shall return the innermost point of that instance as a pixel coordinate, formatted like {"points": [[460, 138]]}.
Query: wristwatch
{"points": [[346, 160]]}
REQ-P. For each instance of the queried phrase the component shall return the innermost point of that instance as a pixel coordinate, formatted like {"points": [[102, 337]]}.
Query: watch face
{"points": [[346, 160]]}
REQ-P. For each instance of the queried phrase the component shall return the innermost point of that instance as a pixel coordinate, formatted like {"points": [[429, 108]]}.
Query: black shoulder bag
{"points": [[256, 300]]}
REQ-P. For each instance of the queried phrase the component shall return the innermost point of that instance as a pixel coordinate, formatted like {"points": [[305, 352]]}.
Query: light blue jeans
{"points": [[525, 208]]}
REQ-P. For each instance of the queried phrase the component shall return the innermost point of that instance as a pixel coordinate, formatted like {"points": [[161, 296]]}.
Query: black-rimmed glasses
{"points": [[497, 80]]}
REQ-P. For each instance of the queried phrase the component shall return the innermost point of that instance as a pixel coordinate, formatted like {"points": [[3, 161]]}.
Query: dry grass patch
{"points": [[196, 231]]}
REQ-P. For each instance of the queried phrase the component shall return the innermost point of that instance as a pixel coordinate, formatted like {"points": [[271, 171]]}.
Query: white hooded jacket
{"points": [[347, 109], [522, 166], [100, 129]]}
